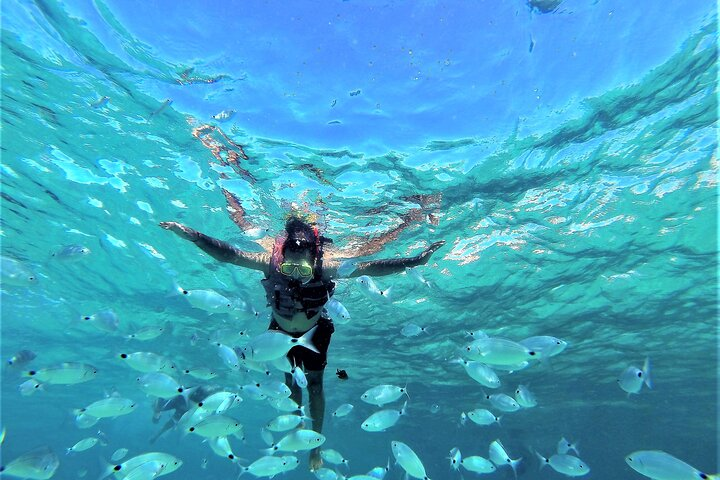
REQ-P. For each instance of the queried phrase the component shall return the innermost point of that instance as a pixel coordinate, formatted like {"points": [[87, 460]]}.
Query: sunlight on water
{"points": [[575, 203]]}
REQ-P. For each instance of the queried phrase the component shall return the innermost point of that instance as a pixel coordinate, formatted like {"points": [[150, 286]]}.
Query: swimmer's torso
{"points": [[299, 322]]}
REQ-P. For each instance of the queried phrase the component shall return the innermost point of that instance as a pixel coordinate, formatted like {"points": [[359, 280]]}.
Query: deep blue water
{"points": [[568, 157]]}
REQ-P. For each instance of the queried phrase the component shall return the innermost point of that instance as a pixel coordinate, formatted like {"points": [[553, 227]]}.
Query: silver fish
{"points": [[372, 291], [408, 460], [337, 311], [21, 358], [216, 426], [37, 464], [525, 397], [383, 419], [499, 456], [104, 320], [16, 273], [64, 374], [343, 410], [565, 464], [110, 407], [71, 252], [415, 274], [82, 445], [482, 416], [632, 378], [564, 446], [302, 439], [269, 466], [382, 394], [163, 106], [478, 464], [29, 387], [660, 465], [101, 102], [119, 454], [224, 116], [455, 458], [273, 344], [412, 330]]}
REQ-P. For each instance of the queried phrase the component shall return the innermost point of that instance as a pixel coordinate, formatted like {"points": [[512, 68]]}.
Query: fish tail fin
{"points": [[497, 420], [242, 469], [387, 294], [269, 451], [514, 464], [646, 372], [177, 289], [543, 461], [306, 340], [106, 468], [186, 392]]}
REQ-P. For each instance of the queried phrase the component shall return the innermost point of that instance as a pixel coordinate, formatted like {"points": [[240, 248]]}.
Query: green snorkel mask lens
{"points": [[303, 269]]}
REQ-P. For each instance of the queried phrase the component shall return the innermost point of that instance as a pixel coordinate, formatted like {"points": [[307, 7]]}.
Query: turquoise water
{"points": [[568, 158]]}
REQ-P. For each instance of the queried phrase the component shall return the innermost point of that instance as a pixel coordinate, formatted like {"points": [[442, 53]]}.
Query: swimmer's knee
{"points": [[314, 379]]}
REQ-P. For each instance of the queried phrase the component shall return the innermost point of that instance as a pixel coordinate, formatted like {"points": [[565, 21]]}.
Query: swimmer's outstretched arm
{"points": [[378, 268], [219, 250]]}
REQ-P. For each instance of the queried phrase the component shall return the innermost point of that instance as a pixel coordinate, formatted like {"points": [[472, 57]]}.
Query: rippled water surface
{"points": [[565, 151]]}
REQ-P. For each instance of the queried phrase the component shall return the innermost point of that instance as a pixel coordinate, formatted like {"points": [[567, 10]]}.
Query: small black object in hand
{"points": [[341, 374]]}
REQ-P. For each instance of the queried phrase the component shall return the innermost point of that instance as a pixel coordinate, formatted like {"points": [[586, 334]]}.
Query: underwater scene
{"points": [[359, 239]]}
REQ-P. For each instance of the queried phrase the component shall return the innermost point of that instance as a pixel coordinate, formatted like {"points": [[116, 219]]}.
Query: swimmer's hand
{"points": [[425, 255], [180, 230], [316, 462]]}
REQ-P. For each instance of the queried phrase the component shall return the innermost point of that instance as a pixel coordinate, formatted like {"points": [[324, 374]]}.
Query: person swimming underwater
{"points": [[298, 283]]}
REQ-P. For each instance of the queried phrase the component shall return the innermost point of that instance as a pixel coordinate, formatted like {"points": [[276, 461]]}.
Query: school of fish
{"points": [[487, 361]]}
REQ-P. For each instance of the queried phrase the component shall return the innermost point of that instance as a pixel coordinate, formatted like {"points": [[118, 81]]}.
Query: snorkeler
{"points": [[298, 283]]}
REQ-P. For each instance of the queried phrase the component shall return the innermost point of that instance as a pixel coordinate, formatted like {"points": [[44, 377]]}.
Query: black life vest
{"points": [[287, 296]]}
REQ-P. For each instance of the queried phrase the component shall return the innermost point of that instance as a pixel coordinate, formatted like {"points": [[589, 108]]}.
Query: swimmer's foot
{"points": [[316, 462]]}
